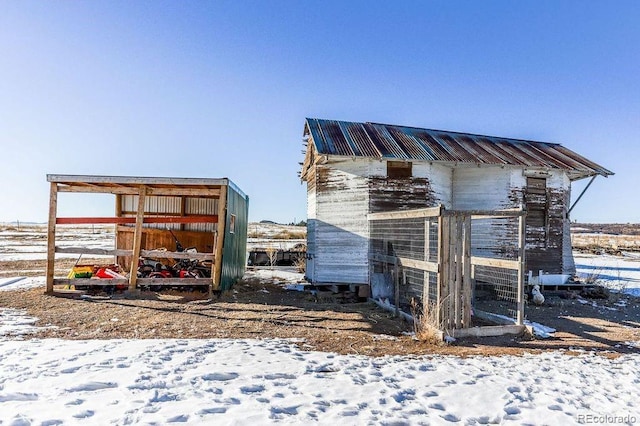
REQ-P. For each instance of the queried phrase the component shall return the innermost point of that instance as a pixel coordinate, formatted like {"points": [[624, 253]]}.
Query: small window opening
{"points": [[399, 169]]}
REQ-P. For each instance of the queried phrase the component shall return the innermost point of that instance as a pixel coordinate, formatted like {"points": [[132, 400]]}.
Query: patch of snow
{"points": [[250, 382], [15, 283]]}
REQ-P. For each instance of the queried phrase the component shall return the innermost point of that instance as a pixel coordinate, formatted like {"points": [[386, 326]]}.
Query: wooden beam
{"points": [[406, 262], [162, 254], [489, 331], [521, 257], [96, 251], [159, 192], [91, 281], [137, 239], [495, 263], [51, 236], [216, 272], [466, 273], [126, 220], [408, 214], [458, 299], [136, 181]]}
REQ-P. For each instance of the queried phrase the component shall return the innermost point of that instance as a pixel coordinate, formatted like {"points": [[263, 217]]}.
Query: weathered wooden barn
{"points": [[354, 169], [210, 215]]}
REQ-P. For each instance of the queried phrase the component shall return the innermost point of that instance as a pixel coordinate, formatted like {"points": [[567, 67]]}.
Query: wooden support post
{"points": [[118, 213], [216, 275], [457, 303], [451, 282], [137, 239], [51, 236], [439, 306], [521, 254], [426, 275], [466, 273], [445, 272]]}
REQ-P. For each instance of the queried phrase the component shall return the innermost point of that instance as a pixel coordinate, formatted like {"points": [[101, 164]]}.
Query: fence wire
{"points": [[494, 289]]}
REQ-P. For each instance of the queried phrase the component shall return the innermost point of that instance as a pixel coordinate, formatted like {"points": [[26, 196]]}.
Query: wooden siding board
{"points": [[341, 226]]}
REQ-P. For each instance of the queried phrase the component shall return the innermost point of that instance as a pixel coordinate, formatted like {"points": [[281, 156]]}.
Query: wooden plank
{"points": [[126, 220], [521, 259], [51, 236], [466, 273], [458, 280], [441, 272], [408, 214], [407, 263], [156, 192], [162, 254], [489, 331], [216, 271], [136, 181], [91, 281], [174, 281], [137, 239], [496, 263], [425, 275], [445, 272], [97, 251]]}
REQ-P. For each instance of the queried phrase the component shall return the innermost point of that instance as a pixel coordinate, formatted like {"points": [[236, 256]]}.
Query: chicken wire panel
{"points": [[398, 237], [496, 291], [405, 238], [495, 238], [496, 288]]}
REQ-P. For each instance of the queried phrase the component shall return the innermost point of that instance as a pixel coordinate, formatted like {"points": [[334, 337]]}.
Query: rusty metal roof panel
{"points": [[377, 140]]}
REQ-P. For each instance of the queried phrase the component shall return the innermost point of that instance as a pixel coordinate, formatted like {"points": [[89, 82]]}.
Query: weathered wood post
{"points": [[137, 239], [521, 254], [216, 274], [51, 236]]}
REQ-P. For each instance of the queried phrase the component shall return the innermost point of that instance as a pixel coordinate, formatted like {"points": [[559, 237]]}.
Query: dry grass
{"points": [[425, 322]]}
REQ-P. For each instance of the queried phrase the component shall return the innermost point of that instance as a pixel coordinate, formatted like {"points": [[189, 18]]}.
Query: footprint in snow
{"points": [[75, 402], [84, 414], [451, 418], [182, 418], [18, 396], [251, 389], [437, 406], [213, 410], [220, 377], [93, 386]]}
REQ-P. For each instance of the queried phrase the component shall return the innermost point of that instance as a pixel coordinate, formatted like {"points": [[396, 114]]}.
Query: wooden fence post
{"points": [[521, 254]]}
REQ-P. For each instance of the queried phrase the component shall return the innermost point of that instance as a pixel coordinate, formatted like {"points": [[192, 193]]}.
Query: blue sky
{"points": [[221, 89]]}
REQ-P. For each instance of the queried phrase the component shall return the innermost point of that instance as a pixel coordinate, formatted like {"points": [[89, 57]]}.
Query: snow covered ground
{"points": [[270, 381], [617, 273], [51, 381]]}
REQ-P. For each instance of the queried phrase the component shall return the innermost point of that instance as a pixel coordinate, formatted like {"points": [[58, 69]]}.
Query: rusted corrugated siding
{"points": [[343, 138]]}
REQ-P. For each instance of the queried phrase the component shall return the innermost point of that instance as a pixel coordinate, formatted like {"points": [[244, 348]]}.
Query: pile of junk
{"points": [[147, 268]]}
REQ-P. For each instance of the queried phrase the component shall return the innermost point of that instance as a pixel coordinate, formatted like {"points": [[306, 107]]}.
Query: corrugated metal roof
{"points": [[350, 139]]}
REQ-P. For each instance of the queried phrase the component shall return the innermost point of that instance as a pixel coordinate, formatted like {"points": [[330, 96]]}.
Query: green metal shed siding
{"points": [[234, 255]]}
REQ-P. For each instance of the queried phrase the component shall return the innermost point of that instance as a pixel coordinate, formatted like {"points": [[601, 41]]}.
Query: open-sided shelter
{"points": [[208, 214]]}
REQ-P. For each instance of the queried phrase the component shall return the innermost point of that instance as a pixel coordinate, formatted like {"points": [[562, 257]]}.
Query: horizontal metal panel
{"points": [[351, 139]]}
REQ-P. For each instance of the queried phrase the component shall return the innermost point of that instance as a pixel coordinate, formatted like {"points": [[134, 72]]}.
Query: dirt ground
{"points": [[258, 310]]}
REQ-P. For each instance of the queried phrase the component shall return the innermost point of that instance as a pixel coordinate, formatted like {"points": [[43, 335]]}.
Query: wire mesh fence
{"points": [[465, 265]]}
